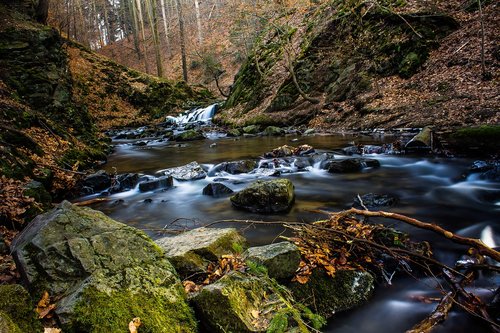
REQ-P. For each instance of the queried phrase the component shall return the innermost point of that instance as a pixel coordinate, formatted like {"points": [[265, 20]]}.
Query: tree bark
{"points": [[151, 11], [143, 33], [183, 40], [198, 21]]}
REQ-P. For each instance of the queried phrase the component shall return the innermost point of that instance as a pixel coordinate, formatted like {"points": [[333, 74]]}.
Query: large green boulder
{"points": [[192, 251], [273, 196], [326, 295], [189, 135], [17, 310], [281, 259], [103, 273], [239, 302]]}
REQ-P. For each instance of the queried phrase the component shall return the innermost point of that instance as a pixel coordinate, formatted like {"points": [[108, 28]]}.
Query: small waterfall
{"points": [[204, 115]]}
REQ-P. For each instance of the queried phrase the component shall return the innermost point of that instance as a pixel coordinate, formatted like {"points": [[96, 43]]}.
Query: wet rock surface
{"points": [[273, 196]]}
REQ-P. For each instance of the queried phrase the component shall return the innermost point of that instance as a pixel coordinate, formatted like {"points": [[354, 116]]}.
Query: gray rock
{"points": [[281, 259], [351, 165], [191, 171], [326, 295], [192, 251], [273, 196], [125, 182], [309, 131], [153, 184], [302, 162], [216, 190], [234, 168], [98, 181], [102, 272]]}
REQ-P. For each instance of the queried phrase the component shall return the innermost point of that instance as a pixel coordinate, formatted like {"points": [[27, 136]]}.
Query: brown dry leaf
{"points": [[134, 324], [44, 307], [190, 287], [51, 330], [255, 313]]}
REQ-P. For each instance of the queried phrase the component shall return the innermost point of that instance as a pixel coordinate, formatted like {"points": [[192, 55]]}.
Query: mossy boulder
{"points": [[273, 131], [103, 273], [326, 295], [273, 196], [189, 135], [281, 259], [234, 132], [237, 303], [251, 129], [477, 141], [17, 310], [192, 251]]}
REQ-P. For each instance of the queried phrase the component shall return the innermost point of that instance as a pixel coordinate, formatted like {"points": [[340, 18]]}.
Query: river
{"points": [[430, 189]]}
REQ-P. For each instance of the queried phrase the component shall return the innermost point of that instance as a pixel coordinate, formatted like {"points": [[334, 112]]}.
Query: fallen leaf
{"points": [[255, 313], [44, 307], [134, 324], [51, 330]]}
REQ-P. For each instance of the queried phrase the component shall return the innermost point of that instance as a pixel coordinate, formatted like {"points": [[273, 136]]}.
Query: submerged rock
{"points": [[372, 200], [191, 171], [102, 272], [351, 165], [281, 259], [326, 295], [192, 251], [273, 196], [216, 190]]}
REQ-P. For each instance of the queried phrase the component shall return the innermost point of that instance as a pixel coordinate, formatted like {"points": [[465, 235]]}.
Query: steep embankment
{"points": [[57, 97], [366, 64]]}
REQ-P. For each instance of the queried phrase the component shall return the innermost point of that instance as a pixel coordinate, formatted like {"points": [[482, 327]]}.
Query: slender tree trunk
{"points": [[198, 21], [151, 11], [135, 27], [165, 25], [183, 40], [483, 64], [141, 22]]}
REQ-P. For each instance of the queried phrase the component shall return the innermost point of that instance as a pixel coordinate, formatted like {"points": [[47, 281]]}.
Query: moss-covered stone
{"points": [[326, 295], [7, 325], [251, 129], [191, 251], [273, 196], [482, 140], [273, 131], [189, 135], [281, 259], [17, 310], [103, 272]]}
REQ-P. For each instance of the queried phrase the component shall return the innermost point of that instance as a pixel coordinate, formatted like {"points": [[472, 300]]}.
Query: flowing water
{"points": [[430, 189]]}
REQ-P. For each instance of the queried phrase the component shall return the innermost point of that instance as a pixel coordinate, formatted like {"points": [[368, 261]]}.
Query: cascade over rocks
{"points": [[103, 273], [273, 196]]}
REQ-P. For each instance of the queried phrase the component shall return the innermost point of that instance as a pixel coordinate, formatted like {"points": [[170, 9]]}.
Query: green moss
{"points": [[99, 312], [16, 303], [7, 325], [481, 140]]}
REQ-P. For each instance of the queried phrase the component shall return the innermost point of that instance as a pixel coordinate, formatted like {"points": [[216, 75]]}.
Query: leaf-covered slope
{"points": [[365, 64], [57, 97]]}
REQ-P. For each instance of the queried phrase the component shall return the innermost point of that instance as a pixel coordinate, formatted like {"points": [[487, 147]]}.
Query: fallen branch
{"points": [[476, 243], [437, 316], [91, 201]]}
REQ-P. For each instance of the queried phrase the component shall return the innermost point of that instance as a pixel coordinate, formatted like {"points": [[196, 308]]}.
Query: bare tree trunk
{"points": [[198, 21], [165, 25], [183, 40], [135, 27], [141, 22], [483, 64], [151, 11], [42, 11]]}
